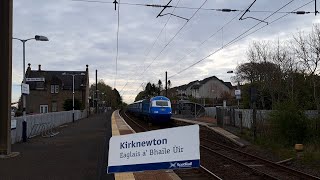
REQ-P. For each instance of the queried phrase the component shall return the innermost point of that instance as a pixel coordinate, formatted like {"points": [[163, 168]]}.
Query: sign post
{"points": [[172, 148], [25, 88]]}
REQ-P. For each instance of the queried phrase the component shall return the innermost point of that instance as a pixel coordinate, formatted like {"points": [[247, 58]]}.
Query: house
{"points": [[211, 87], [189, 86], [50, 89]]}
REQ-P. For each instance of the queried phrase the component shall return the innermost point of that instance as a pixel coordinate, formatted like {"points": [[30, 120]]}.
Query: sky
{"points": [[83, 33]]}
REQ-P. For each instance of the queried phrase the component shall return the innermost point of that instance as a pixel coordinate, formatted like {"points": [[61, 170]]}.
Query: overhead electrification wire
{"points": [[238, 38], [173, 37], [171, 40], [154, 42], [193, 8], [211, 36]]}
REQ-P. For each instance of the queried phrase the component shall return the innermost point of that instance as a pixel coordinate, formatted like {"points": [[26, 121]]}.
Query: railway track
{"points": [[190, 174], [266, 168], [219, 161]]}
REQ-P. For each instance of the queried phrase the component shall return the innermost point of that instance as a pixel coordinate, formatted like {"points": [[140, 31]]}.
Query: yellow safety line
{"points": [[116, 132]]}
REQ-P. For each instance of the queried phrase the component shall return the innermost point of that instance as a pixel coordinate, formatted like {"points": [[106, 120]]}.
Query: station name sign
{"points": [[172, 148], [35, 79]]}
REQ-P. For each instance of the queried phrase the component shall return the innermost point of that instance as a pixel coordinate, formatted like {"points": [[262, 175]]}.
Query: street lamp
{"points": [[37, 38], [73, 75]]}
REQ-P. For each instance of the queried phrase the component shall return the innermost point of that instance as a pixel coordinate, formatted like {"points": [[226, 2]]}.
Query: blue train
{"points": [[156, 109]]}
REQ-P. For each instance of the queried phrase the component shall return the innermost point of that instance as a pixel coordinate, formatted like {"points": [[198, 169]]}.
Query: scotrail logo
{"points": [[181, 165], [173, 165]]}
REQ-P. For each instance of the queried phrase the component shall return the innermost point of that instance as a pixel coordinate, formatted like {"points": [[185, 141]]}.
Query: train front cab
{"points": [[160, 110]]}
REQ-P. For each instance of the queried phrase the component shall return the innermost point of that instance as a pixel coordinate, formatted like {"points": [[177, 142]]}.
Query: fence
{"points": [[211, 112], [48, 121], [188, 110], [231, 116]]}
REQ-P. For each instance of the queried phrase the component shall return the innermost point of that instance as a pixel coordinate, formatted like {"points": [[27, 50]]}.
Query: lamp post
{"points": [[37, 38], [73, 75]]}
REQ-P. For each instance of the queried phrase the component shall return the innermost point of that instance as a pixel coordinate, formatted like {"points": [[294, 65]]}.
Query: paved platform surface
{"points": [[79, 152], [233, 138], [120, 127]]}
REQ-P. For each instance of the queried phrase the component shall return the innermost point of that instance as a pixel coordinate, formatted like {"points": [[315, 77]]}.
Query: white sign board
{"points": [[25, 88], [171, 148], [35, 79], [237, 92], [13, 124]]}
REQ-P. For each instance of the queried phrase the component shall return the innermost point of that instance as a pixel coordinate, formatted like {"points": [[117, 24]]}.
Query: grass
{"points": [[310, 155]]}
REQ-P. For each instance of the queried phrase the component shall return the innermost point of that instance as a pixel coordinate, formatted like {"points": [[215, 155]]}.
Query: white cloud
{"points": [[85, 33]]}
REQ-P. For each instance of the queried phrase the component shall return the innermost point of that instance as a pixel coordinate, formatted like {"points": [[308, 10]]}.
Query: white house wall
{"points": [[213, 89]]}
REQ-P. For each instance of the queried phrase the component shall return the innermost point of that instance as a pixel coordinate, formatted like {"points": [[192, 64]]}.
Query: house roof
{"points": [[195, 85], [56, 78], [228, 84]]}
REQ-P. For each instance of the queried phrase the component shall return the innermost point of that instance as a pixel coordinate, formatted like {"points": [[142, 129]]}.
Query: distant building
{"points": [[210, 87], [50, 89]]}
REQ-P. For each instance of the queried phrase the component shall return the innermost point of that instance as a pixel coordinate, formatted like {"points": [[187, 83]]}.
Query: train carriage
{"points": [[156, 109]]}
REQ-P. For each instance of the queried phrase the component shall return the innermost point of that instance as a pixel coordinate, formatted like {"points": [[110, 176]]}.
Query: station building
{"points": [[50, 89]]}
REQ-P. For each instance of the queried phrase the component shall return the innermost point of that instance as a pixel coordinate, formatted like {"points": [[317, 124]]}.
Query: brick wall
{"points": [[44, 97]]}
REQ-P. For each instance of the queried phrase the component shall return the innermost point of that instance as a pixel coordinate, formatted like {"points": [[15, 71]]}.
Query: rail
{"points": [[288, 170], [173, 125]]}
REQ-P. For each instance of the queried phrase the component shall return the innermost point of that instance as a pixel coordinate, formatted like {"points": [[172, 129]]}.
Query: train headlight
{"points": [[155, 112]]}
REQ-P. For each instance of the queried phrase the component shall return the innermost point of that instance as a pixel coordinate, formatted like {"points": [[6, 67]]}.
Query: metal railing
{"points": [[43, 129]]}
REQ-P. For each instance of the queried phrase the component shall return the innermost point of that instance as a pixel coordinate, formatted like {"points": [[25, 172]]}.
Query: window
{"points": [[43, 109], [162, 103], [54, 89], [54, 106]]}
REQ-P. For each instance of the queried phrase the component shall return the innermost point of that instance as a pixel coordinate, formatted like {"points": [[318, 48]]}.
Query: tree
{"points": [[159, 86], [116, 101], [106, 94], [169, 84], [307, 50], [149, 91], [265, 76]]}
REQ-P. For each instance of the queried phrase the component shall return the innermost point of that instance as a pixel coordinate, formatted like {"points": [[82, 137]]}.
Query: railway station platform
{"points": [[78, 152], [120, 127], [233, 138]]}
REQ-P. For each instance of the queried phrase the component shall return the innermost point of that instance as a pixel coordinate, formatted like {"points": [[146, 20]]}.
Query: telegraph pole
{"points": [[166, 84], [6, 8], [96, 91]]}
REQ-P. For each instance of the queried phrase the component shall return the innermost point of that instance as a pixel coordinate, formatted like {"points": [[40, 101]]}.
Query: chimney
{"points": [[39, 67], [28, 69]]}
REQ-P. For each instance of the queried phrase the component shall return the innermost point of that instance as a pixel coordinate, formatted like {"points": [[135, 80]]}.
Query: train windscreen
{"points": [[162, 103]]}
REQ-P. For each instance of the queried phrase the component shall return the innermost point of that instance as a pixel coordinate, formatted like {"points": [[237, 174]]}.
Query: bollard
{"points": [[299, 150], [24, 131]]}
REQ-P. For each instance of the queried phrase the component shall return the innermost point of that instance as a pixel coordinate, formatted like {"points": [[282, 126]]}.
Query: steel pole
{"points": [[24, 81], [73, 98]]}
